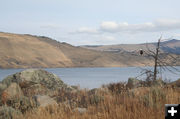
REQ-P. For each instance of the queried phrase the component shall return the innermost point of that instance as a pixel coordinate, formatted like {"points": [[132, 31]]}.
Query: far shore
{"points": [[81, 67]]}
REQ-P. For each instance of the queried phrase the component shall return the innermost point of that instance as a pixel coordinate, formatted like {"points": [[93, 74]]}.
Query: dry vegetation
{"points": [[116, 101]]}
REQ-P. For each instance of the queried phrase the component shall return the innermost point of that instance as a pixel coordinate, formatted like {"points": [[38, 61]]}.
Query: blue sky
{"points": [[93, 22]]}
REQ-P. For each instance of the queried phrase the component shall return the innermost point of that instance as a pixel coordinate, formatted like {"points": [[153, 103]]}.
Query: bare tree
{"points": [[160, 61], [156, 58]]}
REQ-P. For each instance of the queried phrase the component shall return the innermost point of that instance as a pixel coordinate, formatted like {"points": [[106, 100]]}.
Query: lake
{"points": [[95, 77]]}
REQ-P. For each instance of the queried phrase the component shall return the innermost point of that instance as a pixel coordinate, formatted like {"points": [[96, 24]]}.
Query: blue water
{"points": [[95, 77]]}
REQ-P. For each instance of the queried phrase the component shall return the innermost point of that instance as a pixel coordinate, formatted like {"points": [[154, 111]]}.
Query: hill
{"points": [[22, 51], [169, 46], [28, 51]]}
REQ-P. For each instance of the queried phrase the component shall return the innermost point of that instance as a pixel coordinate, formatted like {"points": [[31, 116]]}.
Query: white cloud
{"points": [[109, 26], [113, 27], [158, 25]]}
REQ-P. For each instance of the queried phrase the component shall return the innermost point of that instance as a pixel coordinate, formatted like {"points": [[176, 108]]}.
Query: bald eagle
{"points": [[141, 52]]}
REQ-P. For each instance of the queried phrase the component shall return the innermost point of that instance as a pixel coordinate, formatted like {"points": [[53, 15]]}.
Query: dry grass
{"points": [[22, 51], [139, 103]]}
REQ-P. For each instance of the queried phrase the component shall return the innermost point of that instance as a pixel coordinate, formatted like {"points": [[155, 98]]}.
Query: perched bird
{"points": [[141, 52]]}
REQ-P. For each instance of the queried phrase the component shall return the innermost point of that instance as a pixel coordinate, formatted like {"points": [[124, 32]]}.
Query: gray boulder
{"points": [[34, 76], [36, 81], [44, 100], [133, 83]]}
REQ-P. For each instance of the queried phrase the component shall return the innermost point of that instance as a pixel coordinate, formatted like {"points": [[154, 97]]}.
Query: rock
{"points": [[34, 76], [36, 81], [13, 91], [133, 83], [80, 110], [8, 112], [31, 88], [44, 100]]}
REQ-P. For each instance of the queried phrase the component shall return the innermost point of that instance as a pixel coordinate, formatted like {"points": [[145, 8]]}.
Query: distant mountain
{"points": [[26, 51], [169, 46]]}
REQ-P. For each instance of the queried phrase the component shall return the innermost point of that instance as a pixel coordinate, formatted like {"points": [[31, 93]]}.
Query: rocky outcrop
{"points": [[36, 81], [30, 89]]}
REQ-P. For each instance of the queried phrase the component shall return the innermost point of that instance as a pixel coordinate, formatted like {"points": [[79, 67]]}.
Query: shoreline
{"points": [[83, 67]]}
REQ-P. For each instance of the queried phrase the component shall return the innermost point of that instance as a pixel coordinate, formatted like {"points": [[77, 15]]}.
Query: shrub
{"points": [[117, 88], [154, 96], [8, 112], [23, 103]]}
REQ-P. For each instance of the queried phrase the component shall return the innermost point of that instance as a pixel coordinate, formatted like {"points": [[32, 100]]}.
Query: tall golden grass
{"points": [[139, 103]]}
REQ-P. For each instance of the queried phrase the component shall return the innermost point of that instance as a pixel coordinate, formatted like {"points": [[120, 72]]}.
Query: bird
{"points": [[141, 52]]}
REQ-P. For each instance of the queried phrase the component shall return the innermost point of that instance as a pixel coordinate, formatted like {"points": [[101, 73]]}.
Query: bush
{"points": [[23, 103], [96, 99], [8, 112], [117, 88], [154, 96]]}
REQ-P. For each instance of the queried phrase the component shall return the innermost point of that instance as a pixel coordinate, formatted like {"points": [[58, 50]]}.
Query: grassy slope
{"points": [[21, 51]]}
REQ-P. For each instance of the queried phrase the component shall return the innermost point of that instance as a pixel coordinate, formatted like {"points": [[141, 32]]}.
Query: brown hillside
{"points": [[22, 51], [26, 51]]}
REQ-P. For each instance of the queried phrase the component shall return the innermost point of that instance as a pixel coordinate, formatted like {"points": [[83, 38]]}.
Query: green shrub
{"points": [[154, 97], [96, 99], [8, 112]]}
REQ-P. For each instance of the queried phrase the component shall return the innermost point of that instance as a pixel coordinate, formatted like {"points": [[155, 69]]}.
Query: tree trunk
{"points": [[156, 59]]}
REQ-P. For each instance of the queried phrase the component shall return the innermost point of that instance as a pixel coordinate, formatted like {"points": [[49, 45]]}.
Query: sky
{"points": [[93, 22]]}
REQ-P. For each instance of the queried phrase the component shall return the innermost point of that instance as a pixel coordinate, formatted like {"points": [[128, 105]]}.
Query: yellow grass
{"points": [[141, 103]]}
